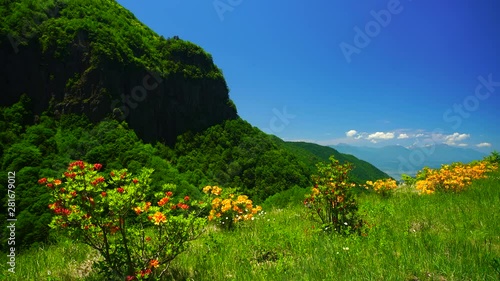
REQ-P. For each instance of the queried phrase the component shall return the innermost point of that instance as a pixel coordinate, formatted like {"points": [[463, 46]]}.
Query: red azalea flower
{"points": [[73, 193], [62, 190], [130, 278], [97, 166], [112, 174], [42, 180], [50, 185], [163, 201], [186, 198], [135, 181], [69, 175], [123, 175], [78, 164], [103, 194], [169, 193], [120, 190]]}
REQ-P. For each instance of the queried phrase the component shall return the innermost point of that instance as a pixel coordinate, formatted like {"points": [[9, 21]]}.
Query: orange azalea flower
{"points": [[154, 263], [57, 182], [138, 210], [158, 218]]}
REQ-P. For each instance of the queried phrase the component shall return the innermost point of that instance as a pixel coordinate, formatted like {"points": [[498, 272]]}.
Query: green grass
{"points": [[412, 237]]}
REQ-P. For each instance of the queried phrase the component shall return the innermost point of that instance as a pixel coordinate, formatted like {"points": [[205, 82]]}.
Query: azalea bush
{"points": [[455, 177], [137, 239], [331, 200], [227, 209], [382, 186]]}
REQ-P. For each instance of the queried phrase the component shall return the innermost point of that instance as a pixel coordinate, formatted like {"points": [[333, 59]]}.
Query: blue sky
{"points": [[359, 72]]}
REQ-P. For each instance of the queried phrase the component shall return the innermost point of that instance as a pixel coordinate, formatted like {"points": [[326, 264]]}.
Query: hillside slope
{"points": [[311, 153], [94, 57]]}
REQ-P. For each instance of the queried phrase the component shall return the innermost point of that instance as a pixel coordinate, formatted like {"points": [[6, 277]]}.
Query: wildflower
{"points": [[57, 182], [97, 166], [42, 180], [158, 218], [186, 198], [163, 201], [103, 194], [120, 190], [135, 181], [216, 190], [207, 189], [154, 263], [169, 193], [137, 210]]}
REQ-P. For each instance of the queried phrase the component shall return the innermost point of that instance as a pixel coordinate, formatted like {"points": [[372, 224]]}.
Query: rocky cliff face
{"points": [[158, 105]]}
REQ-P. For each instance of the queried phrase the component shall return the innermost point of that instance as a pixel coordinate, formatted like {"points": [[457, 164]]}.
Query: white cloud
{"points": [[462, 144], [380, 136], [484, 144], [351, 133], [454, 138], [419, 135], [403, 136]]}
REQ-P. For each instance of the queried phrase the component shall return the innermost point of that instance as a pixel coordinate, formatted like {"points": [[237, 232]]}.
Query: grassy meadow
{"points": [[442, 236]]}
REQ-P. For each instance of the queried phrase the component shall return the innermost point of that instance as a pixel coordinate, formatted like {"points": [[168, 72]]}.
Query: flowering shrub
{"points": [[136, 239], [384, 187], [455, 177], [228, 209], [331, 200]]}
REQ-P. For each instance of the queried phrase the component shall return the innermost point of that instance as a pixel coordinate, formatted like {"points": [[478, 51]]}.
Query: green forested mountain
{"points": [[94, 57], [238, 155], [310, 153]]}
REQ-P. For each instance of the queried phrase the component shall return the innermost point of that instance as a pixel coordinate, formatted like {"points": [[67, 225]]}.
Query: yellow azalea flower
{"points": [[207, 189]]}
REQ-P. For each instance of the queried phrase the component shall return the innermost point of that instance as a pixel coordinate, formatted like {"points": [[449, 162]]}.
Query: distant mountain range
{"points": [[396, 160]]}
